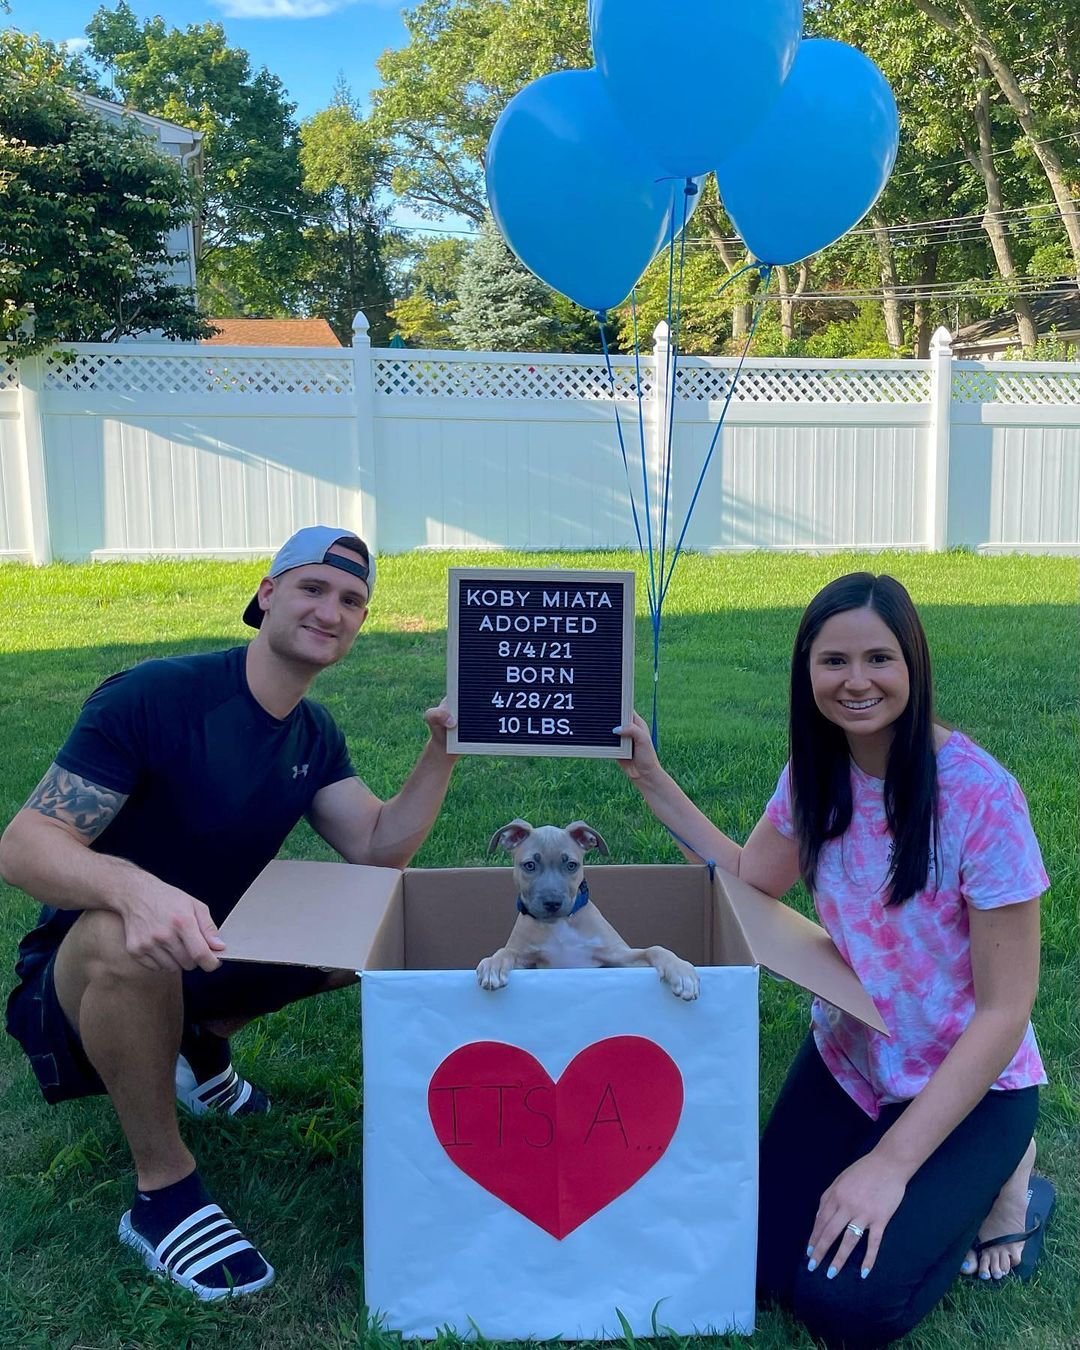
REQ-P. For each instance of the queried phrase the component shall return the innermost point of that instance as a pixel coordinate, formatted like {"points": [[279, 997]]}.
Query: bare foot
{"points": [[1008, 1214]]}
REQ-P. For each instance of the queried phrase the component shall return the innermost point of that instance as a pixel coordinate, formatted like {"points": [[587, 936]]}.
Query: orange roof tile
{"points": [[272, 333]]}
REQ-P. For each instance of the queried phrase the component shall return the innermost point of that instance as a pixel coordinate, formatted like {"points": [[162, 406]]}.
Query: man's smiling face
{"points": [[312, 614]]}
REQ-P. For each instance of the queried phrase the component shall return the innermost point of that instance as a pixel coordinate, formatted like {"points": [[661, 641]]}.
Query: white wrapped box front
{"points": [[443, 1251], [541, 1159]]}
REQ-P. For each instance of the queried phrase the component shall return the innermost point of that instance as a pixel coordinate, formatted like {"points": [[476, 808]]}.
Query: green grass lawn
{"points": [[1003, 633]]}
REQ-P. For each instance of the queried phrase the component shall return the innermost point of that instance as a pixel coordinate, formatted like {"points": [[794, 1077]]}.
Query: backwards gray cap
{"points": [[311, 545]]}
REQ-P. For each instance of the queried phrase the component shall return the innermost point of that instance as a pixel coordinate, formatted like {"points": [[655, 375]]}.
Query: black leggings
{"points": [[814, 1132]]}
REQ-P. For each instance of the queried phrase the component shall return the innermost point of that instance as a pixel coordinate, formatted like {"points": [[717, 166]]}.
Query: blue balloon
{"points": [[571, 193], [693, 77], [819, 161], [684, 195]]}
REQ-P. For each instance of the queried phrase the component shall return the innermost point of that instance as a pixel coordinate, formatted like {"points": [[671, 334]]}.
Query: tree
{"points": [[345, 270], [996, 38], [465, 59], [39, 57], [435, 267], [703, 321], [578, 330], [417, 319], [254, 204], [85, 210], [983, 161], [441, 94], [428, 290], [948, 104], [502, 307]]}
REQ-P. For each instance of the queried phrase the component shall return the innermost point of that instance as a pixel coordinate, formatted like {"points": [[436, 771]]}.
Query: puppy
{"points": [[557, 925]]}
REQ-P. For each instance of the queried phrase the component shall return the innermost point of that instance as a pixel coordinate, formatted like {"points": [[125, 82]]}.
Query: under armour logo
{"points": [[299, 770]]}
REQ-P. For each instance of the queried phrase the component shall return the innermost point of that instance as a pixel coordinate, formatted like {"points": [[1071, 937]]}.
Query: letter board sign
{"points": [[541, 661]]}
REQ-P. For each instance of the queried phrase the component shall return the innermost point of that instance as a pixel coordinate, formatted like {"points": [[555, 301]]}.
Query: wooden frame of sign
{"points": [[540, 661]]}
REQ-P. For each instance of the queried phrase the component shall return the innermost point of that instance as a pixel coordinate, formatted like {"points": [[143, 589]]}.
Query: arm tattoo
{"points": [[85, 807]]}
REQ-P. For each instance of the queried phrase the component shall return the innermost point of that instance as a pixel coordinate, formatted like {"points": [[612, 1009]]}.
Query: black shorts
{"points": [[37, 1021]]}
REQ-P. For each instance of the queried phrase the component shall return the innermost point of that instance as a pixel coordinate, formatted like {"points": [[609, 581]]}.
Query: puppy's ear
{"points": [[509, 836], [586, 837]]}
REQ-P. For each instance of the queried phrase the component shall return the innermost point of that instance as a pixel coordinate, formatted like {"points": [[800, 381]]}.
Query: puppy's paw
{"points": [[493, 972], [682, 979]]}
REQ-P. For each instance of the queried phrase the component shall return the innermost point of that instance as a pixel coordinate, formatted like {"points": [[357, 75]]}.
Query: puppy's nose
{"points": [[553, 906]]}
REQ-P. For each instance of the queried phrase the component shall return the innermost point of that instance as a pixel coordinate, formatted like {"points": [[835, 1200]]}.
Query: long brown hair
{"points": [[820, 760]]}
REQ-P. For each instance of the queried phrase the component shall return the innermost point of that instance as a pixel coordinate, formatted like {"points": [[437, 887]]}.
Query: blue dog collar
{"points": [[580, 903]]}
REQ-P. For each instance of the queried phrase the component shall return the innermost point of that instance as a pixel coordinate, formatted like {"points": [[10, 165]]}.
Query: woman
{"points": [[885, 1157]]}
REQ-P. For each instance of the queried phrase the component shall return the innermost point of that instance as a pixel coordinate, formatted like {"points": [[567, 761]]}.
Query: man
{"points": [[179, 782]]}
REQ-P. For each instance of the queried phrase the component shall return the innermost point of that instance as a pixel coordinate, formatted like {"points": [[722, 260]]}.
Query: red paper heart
{"points": [[556, 1152]]}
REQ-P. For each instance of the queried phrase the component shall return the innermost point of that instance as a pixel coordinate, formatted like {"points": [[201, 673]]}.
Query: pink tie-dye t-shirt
{"points": [[915, 959]]}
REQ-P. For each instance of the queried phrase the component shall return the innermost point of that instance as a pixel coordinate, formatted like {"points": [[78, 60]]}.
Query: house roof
{"points": [[167, 131], [272, 333], [1056, 310]]}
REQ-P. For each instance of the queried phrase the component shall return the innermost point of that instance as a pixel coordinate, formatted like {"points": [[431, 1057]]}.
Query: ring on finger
{"points": [[854, 1228]]}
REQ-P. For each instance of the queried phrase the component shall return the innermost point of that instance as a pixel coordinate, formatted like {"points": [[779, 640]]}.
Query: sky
{"points": [[306, 43]]}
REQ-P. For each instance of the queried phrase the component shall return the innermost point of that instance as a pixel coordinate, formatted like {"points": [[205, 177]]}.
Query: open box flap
{"points": [[348, 917], [312, 914], [783, 941]]}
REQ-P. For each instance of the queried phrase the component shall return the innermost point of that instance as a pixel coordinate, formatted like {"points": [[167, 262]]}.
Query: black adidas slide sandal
{"points": [[201, 1241]]}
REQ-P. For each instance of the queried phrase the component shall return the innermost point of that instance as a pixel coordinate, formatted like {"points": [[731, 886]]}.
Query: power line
{"points": [[1052, 208], [1015, 233], [1009, 150], [945, 230], [980, 283], [943, 225], [983, 285], [433, 229], [950, 290], [1023, 145], [734, 240], [1053, 213], [940, 226]]}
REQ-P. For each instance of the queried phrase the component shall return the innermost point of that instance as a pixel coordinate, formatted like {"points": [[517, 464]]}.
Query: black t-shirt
{"points": [[214, 783]]}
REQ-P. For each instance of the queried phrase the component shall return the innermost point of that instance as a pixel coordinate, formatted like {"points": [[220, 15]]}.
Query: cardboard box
{"points": [[582, 1145]]}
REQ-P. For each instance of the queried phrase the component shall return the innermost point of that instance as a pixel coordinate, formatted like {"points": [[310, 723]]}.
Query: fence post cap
{"points": [[941, 341], [360, 324], [661, 333]]}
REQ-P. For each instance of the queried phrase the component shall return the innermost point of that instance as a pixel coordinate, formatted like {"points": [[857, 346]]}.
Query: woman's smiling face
{"points": [[858, 674]]}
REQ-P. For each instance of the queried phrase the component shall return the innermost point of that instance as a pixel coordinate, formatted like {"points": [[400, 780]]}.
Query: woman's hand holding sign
{"points": [[644, 762]]}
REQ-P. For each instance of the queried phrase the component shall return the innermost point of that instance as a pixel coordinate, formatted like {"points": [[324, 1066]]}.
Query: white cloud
{"points": [[281, 9], [75, 45]]}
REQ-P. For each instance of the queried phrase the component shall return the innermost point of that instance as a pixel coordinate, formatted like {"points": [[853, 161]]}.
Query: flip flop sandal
{"points": [[1041, 1198]]}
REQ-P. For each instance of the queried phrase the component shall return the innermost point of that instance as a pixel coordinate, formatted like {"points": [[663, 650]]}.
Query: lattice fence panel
{"points": [[410, 378], [1021, 386], [9, 374], [129, 373], [801, 384]]}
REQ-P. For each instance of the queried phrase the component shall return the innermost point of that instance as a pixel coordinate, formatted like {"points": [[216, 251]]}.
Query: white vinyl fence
{"points": [[203, 451]]}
